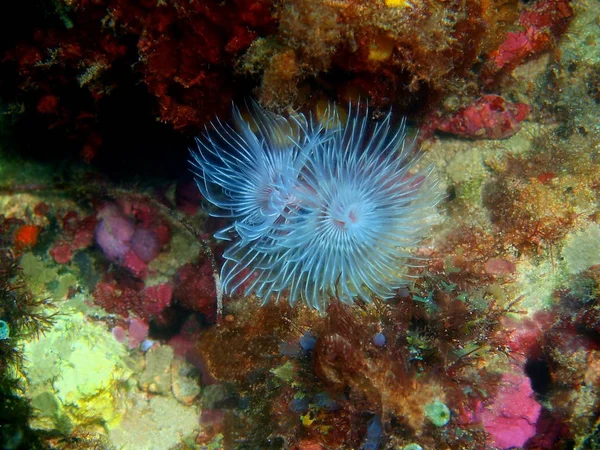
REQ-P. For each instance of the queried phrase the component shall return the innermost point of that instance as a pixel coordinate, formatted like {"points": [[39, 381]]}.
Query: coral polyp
{"points": [[319, 208]]}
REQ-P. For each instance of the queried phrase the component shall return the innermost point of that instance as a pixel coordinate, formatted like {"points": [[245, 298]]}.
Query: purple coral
{"points": [[145, 244], [113, 235], [125, 242]]}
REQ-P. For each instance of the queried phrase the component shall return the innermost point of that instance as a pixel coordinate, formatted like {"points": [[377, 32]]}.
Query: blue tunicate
{"points": [[307, 342], [4, 330], [11, 437], [244, 402], [379, 340], [147, 344], [291, 349], [299, 405], [374, 431], [324, 401]]}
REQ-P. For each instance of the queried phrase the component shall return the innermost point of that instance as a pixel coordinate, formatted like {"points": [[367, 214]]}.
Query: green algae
{"points": [[286, 372], [412, 446], [437, 413], [38, 273]]}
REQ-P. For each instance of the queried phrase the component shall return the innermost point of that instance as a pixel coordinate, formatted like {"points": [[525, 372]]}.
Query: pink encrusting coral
{"points": [[489, 117], [510, 419], [195, 289], [134, 335], [77, 234], [127, 300], [542, 23]]}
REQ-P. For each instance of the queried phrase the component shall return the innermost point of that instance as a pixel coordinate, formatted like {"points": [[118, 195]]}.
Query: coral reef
{"points": [[44, 404], [436, 359], [75, 69], [114, 332], [94, 61], [536, 206]]}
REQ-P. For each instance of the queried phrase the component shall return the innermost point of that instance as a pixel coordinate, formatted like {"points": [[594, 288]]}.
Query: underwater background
{"points": [[300, 224]]}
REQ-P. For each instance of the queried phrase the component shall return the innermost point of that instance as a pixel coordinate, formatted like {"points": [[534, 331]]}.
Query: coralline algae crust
{"points": [[75, 373], [582, 249]]}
